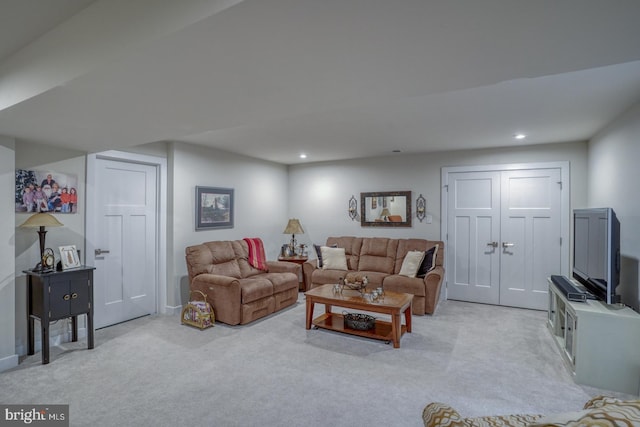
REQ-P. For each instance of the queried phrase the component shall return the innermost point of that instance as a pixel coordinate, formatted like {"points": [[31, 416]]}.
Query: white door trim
{"points": [[161, 170], [565, 202]]}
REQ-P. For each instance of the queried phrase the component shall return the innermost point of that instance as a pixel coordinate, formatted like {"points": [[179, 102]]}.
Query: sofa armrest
{"points": [[283, 267], [433, 284], [307, 269], [223, 293]]}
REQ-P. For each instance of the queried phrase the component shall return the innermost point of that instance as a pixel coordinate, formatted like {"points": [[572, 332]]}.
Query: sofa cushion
{"points": [[411, 263], [333, 258], [428, 262], [282, 281], [324, 277], [213, 258], [241, 251], [229, 268], [409, 285], [255, 288], [378, 254]]}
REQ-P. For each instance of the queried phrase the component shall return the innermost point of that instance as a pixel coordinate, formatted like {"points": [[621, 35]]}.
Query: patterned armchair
{"points": [[601, 411]]}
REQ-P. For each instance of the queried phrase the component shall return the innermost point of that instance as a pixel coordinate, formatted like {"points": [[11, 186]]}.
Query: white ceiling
{"points": [[333, 79]]}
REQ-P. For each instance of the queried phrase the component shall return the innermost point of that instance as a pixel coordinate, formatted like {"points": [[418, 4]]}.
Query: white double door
{"points": [[504, 235]]}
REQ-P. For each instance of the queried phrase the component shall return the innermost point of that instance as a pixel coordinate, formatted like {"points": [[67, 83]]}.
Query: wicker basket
{"points": [[359, 321], [198, 313]]}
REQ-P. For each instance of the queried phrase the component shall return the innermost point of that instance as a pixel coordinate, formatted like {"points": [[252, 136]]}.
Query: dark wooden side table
{"points": [[55, 295], [298, 260]]}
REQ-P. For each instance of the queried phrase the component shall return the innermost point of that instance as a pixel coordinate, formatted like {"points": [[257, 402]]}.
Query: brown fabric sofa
{"points": [[238, 292], [380, 259]]}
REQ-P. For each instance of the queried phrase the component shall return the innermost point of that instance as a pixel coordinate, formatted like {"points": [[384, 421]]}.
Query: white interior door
{"points": [[504, 231], [531, 245], [474, 232], [123, 234]]}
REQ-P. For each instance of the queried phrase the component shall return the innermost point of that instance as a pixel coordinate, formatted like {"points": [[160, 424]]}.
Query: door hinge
{"points": [[560, 183], [446, 187], [561, 241]]}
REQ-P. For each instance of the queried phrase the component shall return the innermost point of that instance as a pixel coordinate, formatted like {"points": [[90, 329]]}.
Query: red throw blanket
{"points": [[257, 257]]}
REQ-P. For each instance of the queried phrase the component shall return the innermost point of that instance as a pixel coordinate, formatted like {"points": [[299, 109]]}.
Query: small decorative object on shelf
{"points": [[355, 282], [353, 208], [421, 207], [359, 321], [198, 313]]}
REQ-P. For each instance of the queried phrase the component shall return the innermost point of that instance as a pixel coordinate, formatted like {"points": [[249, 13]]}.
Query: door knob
{"points": [[493, 244], [99, 252], [507, 245]]}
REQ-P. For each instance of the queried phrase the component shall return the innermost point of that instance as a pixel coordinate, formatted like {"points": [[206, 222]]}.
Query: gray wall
{"points": [[614, 174], [8, 354], [27, 250], [319, 193], [260, 193]]}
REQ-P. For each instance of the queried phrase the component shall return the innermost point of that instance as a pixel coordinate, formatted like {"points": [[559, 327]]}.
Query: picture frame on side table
{"points": [[214, 208], [69, 257]]}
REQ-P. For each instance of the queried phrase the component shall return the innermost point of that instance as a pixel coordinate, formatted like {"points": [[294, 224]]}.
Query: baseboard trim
{"points": [[9, 362], [175, 310]]}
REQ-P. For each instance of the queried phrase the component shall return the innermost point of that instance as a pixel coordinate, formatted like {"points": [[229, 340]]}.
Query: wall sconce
{"points": [[421, 207], [353, 208]]}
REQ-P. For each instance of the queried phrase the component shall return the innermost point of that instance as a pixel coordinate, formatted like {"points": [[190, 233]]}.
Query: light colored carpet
{"points": [[152, 371]]}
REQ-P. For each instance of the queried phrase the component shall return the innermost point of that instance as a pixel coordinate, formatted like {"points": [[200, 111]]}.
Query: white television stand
{"points": [[600, 343]]}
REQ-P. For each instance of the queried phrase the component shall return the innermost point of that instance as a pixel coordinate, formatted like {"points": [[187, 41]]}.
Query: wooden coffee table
{"points": [[393, 304]]}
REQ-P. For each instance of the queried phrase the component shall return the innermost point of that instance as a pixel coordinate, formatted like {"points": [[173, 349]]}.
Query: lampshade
{"points": [[385, 212], [41, 220], [293, 227]]}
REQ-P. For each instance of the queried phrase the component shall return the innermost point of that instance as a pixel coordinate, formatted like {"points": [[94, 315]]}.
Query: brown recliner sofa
{"points": [[380, 259], [238, 292]]}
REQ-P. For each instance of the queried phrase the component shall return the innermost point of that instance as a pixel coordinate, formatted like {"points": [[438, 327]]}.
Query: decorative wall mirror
{"points": [[385, 209]]}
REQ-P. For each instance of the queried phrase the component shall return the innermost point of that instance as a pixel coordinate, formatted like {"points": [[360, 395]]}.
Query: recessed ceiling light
{"points": [[519, 136], [396, 151], [303, 156]]}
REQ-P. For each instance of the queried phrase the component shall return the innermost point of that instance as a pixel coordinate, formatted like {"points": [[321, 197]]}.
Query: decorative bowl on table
{"points": [[355, 282], [359, 321]]}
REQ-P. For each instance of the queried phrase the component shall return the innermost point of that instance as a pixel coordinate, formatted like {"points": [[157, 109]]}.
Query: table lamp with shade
{"points": [[41, 220], [384, 215], [293, 228]]}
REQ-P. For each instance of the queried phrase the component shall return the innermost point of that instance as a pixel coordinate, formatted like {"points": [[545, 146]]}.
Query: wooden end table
{"points": [[298, 260], [393, 303], [55, 295]]}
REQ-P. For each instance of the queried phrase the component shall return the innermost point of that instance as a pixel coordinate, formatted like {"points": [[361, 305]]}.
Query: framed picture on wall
{"points": [[46, 191], [214, 208]]}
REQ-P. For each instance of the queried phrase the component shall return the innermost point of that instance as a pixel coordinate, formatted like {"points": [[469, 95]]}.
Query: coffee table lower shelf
{"points": [[335, 322]]}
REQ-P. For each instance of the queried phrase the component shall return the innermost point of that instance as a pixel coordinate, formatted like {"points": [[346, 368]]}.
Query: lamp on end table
{"points": [[293, 228], [41, 220]]}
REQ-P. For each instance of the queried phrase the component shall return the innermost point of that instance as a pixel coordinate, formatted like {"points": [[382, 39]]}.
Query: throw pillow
{"points": [[333, 258], [428, 262], [319, 253], [411, 263], [614, 414]]}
